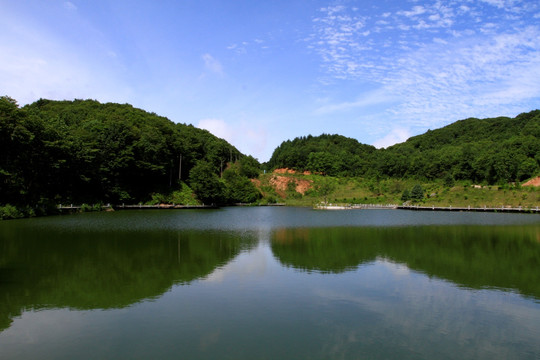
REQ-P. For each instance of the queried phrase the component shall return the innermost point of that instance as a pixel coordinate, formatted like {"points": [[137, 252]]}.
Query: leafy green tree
{"points": [[417, 193], [238, 188], [206, 184], [449, 181], [249, 167], [406, 196], [527, 168], [323, 162], [325, 187]]}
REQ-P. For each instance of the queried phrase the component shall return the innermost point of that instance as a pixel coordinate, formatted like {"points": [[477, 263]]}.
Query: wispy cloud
{"points": [[443, 60], [36, 63], [376, 97], [248, 137], [395, 136], [218, 127], [416, 10], [338, 39], [212, 64], [70, 6], [467, 78]]}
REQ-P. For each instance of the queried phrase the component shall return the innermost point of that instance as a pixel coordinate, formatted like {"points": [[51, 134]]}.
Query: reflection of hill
{"points": [[103, 270], [472, 256]]}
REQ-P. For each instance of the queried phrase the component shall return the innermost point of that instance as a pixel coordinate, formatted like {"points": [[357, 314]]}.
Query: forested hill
{"points": [[497, 150], [328, 154], [84, 151]]}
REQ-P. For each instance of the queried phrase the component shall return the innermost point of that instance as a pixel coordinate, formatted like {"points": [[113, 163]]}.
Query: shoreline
{"points": [[502, 209], [73, 209]]}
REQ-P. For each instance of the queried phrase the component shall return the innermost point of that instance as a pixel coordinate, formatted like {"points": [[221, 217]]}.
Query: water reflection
{"points": [[506, 257], [95, 269]]}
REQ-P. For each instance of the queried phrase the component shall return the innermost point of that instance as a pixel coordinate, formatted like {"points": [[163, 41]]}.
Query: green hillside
{"points": [[83, 151], [491, 151]]}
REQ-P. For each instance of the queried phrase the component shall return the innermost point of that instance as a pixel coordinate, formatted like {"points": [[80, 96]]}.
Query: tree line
{"points": [[83, 151]]}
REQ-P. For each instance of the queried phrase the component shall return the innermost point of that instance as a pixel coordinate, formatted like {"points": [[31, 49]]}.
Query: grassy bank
{"points": [[308, 190]]}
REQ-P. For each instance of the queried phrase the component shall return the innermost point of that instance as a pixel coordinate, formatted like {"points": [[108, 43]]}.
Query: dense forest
{"points": [[83, 151], [492, 151]]}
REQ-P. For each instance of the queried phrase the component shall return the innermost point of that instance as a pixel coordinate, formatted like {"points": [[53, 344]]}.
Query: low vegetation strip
{"points": [[469, 208], [355, 206]]}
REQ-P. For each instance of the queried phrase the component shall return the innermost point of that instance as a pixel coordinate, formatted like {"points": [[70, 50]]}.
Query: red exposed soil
{"points": [[281, 184], [302, 186], [284, 171], [290, 171], [533, 182]]}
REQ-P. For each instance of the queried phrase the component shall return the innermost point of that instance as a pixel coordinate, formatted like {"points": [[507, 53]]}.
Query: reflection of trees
{"points": [[103, 270], [472, 256], [331, 250]]}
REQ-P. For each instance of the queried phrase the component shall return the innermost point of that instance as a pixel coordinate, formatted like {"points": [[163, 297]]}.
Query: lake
{"points": [[271, 283]]}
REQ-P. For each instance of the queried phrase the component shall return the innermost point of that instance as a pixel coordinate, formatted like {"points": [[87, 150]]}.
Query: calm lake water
{"points": [[271, 283]]}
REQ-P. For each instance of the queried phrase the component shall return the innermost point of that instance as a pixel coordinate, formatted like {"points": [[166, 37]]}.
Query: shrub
{"points": [[10, 212], [86, 208]]}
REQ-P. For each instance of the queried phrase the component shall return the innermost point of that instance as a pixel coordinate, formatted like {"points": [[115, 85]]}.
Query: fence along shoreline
{"points": [[502, 209]]}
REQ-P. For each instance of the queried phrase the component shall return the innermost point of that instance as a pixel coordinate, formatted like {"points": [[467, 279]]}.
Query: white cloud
{"points": [[467, 79], [212, 64], [248, 137], [217, 127], [396, 269], [339, 35], [397, 135], [500, 3], [416, 10], [252, 266], [70, 6], [441, 67], [367, 99], [36, 62]]}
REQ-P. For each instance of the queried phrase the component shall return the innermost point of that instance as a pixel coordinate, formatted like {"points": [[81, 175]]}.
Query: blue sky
{"points": [[260, 72]]}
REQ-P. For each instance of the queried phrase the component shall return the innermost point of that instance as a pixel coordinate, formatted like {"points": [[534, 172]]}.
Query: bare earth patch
{"points": [[533, 182], [281, 183], [284, 171], [290, 171]]}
